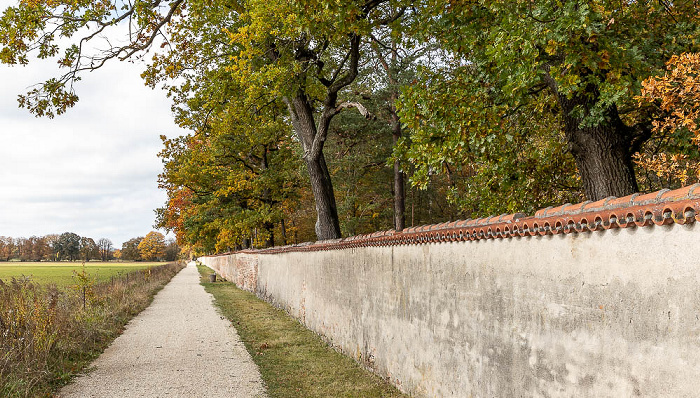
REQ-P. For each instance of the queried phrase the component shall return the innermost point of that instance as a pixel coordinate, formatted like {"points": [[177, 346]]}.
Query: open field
{"points": [[61, 273]]}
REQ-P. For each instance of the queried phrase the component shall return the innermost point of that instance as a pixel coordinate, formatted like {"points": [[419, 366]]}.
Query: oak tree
{"points": [[578, 64], [130, 249]]}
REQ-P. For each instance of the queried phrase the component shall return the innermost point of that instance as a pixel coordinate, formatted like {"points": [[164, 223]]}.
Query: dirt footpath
{"points": [[178, 347]]}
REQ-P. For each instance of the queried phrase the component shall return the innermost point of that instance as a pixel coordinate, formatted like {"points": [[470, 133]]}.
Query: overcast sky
{"points": [[93, 170]]}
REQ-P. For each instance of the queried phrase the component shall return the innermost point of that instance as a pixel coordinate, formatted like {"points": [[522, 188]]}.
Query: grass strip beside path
{"points": [[293, 361]]}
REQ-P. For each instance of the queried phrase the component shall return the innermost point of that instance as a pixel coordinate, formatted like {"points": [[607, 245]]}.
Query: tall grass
{"points": [[47, 334]]}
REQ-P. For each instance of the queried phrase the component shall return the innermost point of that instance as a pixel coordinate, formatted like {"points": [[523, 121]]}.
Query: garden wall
{"points": [[595, 299]]}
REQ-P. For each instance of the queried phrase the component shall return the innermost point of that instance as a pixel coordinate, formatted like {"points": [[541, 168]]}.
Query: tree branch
{"points": [[360, 108]]}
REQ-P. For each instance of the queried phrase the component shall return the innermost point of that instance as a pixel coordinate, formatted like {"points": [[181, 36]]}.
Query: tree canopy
{"points": [[307, 118], [152, 246]]}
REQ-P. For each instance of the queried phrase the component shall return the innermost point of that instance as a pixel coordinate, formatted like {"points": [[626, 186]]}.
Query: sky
{"points": [[93, 170]]}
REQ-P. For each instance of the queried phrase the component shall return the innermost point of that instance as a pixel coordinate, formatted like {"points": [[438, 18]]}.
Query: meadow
{"points": [[62, 273]]}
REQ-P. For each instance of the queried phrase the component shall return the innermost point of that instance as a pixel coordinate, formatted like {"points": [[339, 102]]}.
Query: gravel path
{"points": [[178, 347]]}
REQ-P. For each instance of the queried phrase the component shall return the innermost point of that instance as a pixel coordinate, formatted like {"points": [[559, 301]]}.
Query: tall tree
{"points": [[52, 242], [40, 249], [68, 246], [88, 249], [105, 248], [234, 175], [130, 249], [152, 247], [308, 58], [394, 60], [172, 250], [23, 248], [6, 248]]}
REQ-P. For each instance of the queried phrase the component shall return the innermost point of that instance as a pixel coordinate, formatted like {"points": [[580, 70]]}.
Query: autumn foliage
{"points": [[673, 158], [304, 117], [152, 247]]}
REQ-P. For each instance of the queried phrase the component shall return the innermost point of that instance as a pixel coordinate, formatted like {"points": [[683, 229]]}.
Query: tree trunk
{"points": [[270, 228], [603, 153], [294, 229], [312, 140], [604, 161], [283, 232], [327, 225], [399, 192], [313, 135]]}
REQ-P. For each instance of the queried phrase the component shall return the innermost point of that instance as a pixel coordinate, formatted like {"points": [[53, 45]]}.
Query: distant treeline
{"points": [[70, 246]]}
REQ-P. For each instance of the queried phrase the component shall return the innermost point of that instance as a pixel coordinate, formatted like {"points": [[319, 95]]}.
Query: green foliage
{"points": [[130, 249], [357, 151], [518, 76], [67, 246], [496, 98], [88, 249], [71, 30], [237, 176]]}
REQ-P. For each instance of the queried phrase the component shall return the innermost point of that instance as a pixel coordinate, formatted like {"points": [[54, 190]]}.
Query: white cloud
{"points": [[93, 170]]}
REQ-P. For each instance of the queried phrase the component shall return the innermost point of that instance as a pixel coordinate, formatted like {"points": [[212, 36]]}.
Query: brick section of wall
{"points": [[241, 270]]}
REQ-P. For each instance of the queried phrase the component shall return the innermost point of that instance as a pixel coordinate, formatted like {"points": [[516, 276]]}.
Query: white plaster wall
{"points": [[602, 314]]}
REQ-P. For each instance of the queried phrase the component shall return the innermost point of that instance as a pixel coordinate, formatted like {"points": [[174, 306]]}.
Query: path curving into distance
{"points": [[177, 347]]}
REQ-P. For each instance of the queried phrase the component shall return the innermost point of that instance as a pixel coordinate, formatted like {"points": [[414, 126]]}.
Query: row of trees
{"points": [[318, 119], [66, 246], [152, 247], [71, 247]]}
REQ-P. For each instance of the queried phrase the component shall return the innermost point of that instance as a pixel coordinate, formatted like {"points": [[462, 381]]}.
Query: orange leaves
{"points": [[675, 167], [677, 96], [677, 93], [152, 247]]}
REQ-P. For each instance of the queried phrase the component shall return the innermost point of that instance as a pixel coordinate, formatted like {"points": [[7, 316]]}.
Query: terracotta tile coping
{"points": [[663, 207]]}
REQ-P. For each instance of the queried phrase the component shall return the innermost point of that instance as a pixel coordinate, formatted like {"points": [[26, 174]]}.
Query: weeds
{"points": [[47, 334]]}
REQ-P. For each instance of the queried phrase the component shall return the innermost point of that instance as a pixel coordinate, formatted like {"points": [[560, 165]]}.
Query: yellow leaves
{"points": [[236, 185], [604, 59], [676, 167], [48, 3], [152, 247]]}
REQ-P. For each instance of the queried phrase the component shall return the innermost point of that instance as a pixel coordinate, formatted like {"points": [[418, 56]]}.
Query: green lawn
{"points": [[61, 273]]}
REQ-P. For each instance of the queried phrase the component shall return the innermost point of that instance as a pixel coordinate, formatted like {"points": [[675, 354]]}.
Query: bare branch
{"points": [[175, 5], [349, 77], [360, 108]]}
